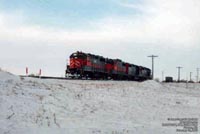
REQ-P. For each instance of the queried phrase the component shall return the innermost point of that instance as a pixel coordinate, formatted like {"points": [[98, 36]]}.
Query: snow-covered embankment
{"points": [[31, 105]]}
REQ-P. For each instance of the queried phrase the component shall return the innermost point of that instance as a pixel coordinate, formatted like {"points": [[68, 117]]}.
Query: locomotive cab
{"points": [[78, 55], [77, 60]]}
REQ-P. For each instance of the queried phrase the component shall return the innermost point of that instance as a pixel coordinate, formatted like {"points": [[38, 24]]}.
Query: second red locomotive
{"points": [[85, 65]]}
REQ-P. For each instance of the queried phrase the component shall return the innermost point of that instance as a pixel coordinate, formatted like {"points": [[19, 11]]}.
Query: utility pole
{"points": [[152, 56], [190, 76], [197, 75], [162, 76], [179, 68]]}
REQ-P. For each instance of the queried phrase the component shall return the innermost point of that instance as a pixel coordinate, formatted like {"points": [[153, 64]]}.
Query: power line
{"points": [[153, 56], [179, 68]]}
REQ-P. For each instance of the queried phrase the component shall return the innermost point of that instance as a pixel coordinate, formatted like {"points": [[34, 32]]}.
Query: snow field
{"points": [[35, 106]]}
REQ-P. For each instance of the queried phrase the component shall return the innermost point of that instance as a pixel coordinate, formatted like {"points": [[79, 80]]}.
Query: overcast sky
{"points": [[43, 33]]}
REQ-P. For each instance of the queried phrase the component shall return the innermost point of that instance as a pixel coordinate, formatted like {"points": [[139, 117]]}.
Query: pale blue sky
{"points": [[66, 13], [43, 33]]}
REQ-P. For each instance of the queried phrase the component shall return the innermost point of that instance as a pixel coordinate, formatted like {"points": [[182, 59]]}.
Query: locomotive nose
{"points": [[75, 63]]}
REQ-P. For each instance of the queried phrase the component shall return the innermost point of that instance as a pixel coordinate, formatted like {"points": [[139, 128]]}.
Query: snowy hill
{"points": [[6, 76], [36, 106]]}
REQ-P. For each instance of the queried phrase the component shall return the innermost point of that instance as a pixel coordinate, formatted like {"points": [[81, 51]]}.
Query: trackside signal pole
{"points": [[152, 57], [179, 68], [26, 71]]}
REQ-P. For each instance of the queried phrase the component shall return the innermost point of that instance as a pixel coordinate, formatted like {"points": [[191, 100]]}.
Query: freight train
{"points": [[90, 66]]}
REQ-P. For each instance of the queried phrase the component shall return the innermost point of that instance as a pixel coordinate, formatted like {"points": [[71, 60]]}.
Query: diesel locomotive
{"points": [[90, 66]]}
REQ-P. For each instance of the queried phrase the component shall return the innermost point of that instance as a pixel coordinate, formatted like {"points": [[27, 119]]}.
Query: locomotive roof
{"points": [[117, 60], [96, 56], [144, 67]]}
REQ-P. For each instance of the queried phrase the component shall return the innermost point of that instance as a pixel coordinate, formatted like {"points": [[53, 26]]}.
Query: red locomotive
{"points": [[85, 65]]}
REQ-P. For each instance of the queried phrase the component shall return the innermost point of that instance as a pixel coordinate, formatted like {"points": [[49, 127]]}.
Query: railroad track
{"points": [[58, 78], [46, 77], [64, 78]]}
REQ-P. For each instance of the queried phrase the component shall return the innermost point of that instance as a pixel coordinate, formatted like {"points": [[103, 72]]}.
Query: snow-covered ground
{"points": [[37, 106]]}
